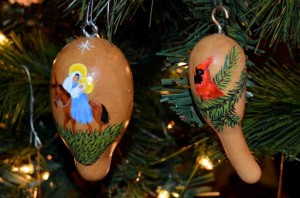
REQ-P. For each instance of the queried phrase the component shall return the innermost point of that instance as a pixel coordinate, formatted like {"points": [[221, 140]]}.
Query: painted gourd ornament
{"points": [[91, 100], [217, 75]]}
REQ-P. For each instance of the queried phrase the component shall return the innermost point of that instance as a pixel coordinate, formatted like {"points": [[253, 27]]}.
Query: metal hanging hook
{"points": [[220, 7], [89, 21]]}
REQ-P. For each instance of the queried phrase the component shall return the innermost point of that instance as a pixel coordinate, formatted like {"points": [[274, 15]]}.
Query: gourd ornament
{"points": [[217, 75], [91, 100]]}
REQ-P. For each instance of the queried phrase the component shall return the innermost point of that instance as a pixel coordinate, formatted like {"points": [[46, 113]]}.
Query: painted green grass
{"points": [[88, 147]]}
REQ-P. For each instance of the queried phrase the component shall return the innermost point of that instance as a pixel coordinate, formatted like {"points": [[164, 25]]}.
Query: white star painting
{"points": [[85, 46]]}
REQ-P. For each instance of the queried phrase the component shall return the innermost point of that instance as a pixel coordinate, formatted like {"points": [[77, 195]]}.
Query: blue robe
{"points": [[80, 108]]}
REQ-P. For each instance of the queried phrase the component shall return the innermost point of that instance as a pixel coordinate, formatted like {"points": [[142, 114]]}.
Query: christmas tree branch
{"points": [[277, 21], [33, 54], [271, 118]]}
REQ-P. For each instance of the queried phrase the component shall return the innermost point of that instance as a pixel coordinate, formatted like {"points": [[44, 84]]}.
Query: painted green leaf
{"points": [[224, 76]]}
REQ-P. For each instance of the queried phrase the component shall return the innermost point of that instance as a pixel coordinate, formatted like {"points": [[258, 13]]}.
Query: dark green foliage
{"points": [[36, 52], [276, 21], [180, 97], [272, 114], [86, 146], [115, 12]]}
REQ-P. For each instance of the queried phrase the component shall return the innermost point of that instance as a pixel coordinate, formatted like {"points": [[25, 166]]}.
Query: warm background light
{"points": [[208, 194], [163, 194], [45, 175], [26, 168], [205, 162], [25, 2], [174, 194], [3, 38], [49, 157], [181, 64], [171, 124]]}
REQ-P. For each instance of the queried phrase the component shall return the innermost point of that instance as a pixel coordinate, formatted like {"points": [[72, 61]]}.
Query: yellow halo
{"points": [[78, 67], [89, 84]]}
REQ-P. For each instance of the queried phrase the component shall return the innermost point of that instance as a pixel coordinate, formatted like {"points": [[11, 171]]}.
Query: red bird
{"points": [[205, 87]]}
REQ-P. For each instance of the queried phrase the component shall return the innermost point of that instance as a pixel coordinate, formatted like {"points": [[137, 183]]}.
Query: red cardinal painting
{"points": [[204, 86]]}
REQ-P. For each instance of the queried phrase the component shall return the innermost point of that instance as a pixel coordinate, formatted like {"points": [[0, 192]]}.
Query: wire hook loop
{"points": [[93, 27], [220, 7], [89, 21]]}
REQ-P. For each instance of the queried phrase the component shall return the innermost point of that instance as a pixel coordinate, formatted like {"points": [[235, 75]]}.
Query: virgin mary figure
{"points": [[80, 108]]}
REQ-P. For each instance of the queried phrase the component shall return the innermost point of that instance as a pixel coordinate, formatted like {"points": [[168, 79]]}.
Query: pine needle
{"points": [[271, 119]]}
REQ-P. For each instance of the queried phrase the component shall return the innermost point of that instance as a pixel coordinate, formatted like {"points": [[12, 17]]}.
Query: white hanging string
{"points": [[108, 22], [37, 141]]}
